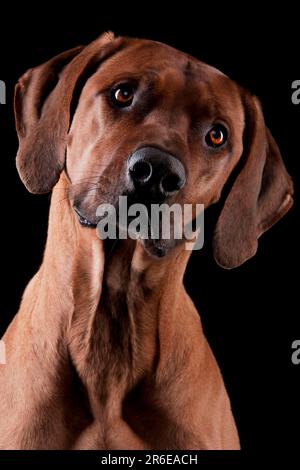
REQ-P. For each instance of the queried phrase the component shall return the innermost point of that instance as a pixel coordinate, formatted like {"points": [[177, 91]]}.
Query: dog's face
{"points": [[153, 129], [140, 119]]}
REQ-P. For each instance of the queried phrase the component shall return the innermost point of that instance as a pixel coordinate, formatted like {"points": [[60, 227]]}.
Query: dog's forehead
{"points": [[170, 73], [139, 56], [143, 53]]}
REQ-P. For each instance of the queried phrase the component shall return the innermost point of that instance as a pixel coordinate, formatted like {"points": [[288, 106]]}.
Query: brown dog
{"points": [[107, 350]]}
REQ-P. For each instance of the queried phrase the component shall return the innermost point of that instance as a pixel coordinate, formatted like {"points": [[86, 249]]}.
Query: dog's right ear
{"points": [[44, 97], [261, 194]]}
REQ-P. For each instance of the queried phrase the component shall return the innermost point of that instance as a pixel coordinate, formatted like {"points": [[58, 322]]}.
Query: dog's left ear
{"points": [[44, 99], [260, 195]]}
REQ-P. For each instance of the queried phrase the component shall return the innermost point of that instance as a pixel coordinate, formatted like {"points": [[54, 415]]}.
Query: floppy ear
{"points": [[44, 99], [260, 195]]}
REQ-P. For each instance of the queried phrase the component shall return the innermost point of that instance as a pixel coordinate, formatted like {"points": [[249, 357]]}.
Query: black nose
{"points": [[156, 172]]}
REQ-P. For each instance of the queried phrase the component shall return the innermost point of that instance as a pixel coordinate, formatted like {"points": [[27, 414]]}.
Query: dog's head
{"points": [[138, 118]]}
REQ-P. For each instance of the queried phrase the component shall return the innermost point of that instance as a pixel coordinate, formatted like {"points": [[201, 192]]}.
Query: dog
{"points": [[107, 350]]}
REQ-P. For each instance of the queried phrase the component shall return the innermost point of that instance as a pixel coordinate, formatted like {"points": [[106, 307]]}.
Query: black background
{"points": [[250, 314]]}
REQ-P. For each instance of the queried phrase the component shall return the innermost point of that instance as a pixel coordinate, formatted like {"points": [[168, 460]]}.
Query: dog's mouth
{"points": [[83, 220], [149, 234]]}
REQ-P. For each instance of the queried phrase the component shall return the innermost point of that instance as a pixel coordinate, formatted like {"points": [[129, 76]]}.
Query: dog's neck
{"points": [[122, 303]]}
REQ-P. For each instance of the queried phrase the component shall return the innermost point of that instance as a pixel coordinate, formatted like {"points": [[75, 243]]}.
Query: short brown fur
{"points": [[108, 352]]}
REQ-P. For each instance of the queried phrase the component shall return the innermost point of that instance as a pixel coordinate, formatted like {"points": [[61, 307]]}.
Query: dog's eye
{"points": [[122, 95], [217, 136]]}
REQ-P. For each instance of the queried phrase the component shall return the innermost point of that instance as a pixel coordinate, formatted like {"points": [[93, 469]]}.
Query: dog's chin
{"points": [[155, 247], [158, 248]]}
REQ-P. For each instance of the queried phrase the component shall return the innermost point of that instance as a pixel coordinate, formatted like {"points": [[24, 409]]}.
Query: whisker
{"points": [[98, 183], [96, 174], [71, 197]]}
